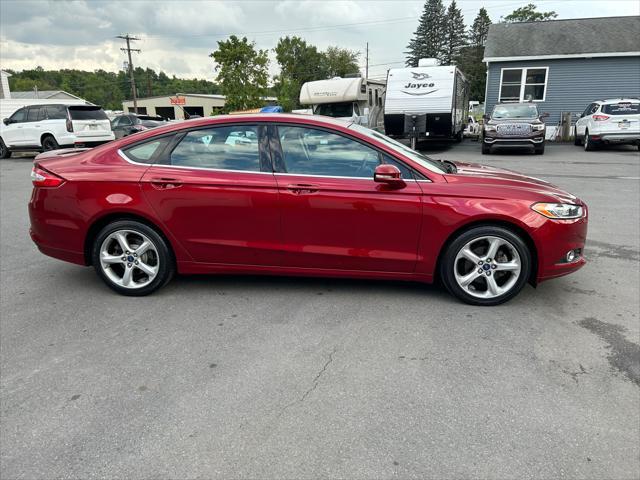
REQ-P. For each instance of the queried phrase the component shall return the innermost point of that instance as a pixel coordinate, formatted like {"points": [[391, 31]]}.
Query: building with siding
{"points": [[563, 65]]}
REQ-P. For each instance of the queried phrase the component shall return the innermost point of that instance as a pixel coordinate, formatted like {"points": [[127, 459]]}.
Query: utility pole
{"points": [[366, 68], [129, 39]]}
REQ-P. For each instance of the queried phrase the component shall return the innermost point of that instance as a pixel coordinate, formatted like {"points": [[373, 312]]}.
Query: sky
{"points": [[178, 36]]}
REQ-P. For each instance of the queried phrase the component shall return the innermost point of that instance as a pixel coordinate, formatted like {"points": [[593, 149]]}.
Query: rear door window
{"points": [[83, 113], [622, 108], [147, 152], [234, 147], [32, 116]]}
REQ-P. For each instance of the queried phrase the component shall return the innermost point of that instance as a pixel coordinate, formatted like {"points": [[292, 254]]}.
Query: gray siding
{"points": [[574, 83]]}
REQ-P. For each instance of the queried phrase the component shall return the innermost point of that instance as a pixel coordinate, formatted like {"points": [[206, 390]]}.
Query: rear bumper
{"points": [[620, 137]]}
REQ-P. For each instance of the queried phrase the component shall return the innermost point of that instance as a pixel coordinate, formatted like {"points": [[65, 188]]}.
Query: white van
{"points": [[358, 99], [52, 126]]}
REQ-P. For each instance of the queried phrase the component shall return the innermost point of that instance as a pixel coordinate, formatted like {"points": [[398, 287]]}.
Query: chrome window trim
{"points": [[348, 178]]}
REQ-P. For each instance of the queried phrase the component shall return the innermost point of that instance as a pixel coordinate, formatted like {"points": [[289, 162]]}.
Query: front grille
{"points": [[514, 129]]}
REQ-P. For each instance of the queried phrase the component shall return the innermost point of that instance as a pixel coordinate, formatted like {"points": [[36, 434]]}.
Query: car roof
{"points": [[618, 100]]}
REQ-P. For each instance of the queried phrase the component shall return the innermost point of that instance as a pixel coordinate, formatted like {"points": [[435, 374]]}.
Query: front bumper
{"points": [[513, 142], [554, 238]]}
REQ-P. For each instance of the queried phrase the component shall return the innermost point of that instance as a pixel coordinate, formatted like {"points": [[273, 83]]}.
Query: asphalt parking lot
{"points": [[262, 377]]}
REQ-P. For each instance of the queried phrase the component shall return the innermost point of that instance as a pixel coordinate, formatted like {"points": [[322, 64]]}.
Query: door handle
{"points": [[165, 183], [302, 188]]}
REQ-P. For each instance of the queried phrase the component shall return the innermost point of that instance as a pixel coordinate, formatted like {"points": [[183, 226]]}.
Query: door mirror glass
{"points": [[6, 121], [388, 174], [545, 115]]}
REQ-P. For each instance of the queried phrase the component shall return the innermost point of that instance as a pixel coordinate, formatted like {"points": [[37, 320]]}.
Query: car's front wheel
{"points": [[132, 258], [4, 150], [486, 265], [539, 149], [486, 149]]}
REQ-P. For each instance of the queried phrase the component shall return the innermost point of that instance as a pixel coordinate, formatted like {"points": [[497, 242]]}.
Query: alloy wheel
{"points": [[129, 259], [487, 267]]}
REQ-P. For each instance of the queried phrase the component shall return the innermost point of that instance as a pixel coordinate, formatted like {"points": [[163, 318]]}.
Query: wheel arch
{"points": [[48, 134], [101, 222], [513, 227]]}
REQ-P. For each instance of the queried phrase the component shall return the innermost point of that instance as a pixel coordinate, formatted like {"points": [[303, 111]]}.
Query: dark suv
{"points": [[124, 125], [514, 125]]}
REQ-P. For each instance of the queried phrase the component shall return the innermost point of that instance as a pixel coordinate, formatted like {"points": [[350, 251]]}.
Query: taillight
{"points": [[600, 118], [69, 125], [42, 178]]}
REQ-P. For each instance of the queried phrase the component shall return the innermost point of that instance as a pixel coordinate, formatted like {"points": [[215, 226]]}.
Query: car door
{"points": [[334, 216], [13, 132], [219, 197], [33, 128]]}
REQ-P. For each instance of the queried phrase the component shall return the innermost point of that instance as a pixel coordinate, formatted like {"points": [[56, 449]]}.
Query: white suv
{"points": [[609, 121], [49, 127]]}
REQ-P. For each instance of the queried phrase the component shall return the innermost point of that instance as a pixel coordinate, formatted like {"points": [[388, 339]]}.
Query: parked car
{"points": [[615, 121], [124, 125], [49, 127], [514, 125], [300, 195]]}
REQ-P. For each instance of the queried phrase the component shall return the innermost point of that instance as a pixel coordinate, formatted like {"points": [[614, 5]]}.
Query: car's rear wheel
{"points": [[486, 265], [589, 144], [4, 150], [49, 143], [132, 258]]}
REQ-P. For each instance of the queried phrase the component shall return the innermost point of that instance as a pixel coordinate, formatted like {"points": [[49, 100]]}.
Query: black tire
{"points": [[576, 141], [539, 149], [4, 150], [486, 149], [165, 258], [49, 143], [589, 144], [447, 264], [459, 136]]}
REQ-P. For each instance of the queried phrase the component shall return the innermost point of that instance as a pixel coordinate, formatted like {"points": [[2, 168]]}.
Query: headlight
{"points": [[560, 211], [537, 126], [490, 128]]}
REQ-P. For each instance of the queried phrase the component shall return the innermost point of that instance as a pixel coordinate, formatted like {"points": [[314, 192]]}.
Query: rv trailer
{"points": [[426, 102], [357, 99]]}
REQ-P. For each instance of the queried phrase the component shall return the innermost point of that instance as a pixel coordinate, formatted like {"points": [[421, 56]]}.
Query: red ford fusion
{"points": [[299, 195]]}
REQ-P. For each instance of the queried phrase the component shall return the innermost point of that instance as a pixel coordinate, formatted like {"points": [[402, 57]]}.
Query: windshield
{"points": [[622, 108], [517, 110], [420, 159], [335, 110]]}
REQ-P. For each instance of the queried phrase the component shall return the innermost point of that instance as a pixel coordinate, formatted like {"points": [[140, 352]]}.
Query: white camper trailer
{"points": [[426, 102], [357, 99]]}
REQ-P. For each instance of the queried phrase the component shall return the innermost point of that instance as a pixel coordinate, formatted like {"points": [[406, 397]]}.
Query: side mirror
{"points": [[6, 121], [485, 117], [545, 115], [581, 115], [389, 175]]}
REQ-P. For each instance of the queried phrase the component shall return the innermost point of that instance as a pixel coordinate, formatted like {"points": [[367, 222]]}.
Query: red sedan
{"points": [[299, 195]]}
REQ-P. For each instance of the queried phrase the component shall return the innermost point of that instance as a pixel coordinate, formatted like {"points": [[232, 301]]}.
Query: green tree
{"points": [[455, 36], [299, 63], [480, 28], [242, 73], [427, 41], [528, 13], [341, 62]]}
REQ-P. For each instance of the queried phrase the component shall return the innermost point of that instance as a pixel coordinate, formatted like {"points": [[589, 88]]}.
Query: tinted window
{"points": [[84, 113], [147, 152], [404, 170], [622, 108], [19, 115], [234, 147], [317, 152], [32, 114], [335, 110], [56, 112]]}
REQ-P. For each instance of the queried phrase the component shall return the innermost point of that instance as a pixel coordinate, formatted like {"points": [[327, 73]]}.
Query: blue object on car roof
{"points": [[272, 109]]}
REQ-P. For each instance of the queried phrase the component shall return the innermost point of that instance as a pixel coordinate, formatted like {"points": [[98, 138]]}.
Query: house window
{"points": [[523, 84]]}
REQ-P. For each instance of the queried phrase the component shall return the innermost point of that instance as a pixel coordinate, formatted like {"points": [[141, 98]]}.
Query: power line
{"points": [[130, 39]]}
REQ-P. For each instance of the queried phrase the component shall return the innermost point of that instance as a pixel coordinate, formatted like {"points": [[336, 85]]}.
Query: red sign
{"points": [[178, 100]]}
